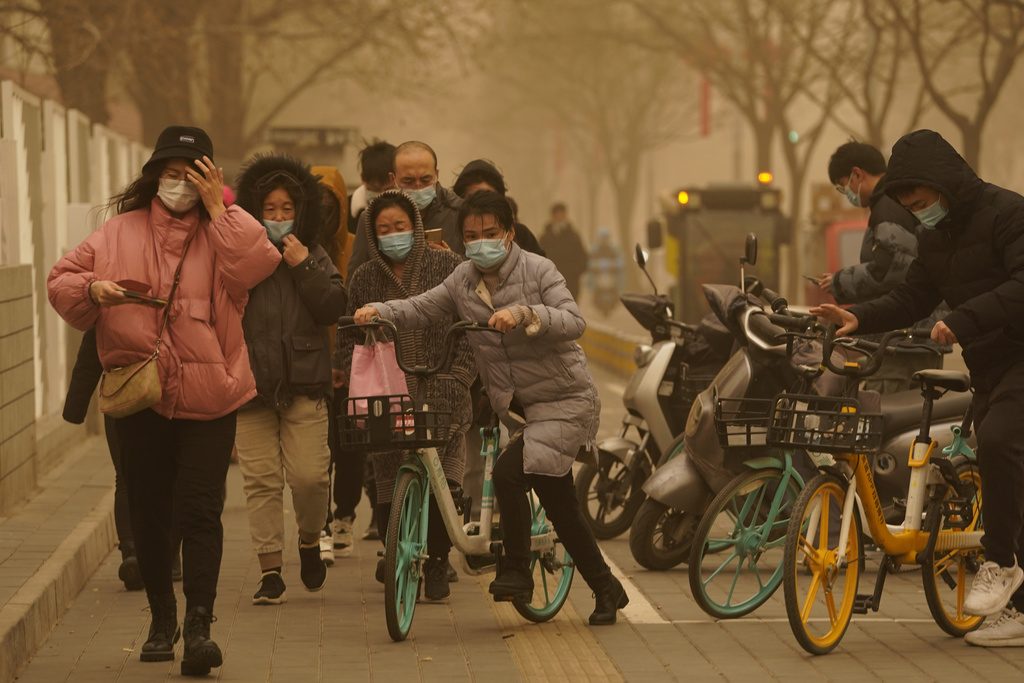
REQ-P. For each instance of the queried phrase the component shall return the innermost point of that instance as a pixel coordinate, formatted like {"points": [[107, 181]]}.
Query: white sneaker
{"points": [[326, 549], [342, 530], [992, 589], [1006, 631]]}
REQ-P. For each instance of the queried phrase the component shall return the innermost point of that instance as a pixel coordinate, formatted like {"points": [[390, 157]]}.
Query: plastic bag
{"points": [[375, 372]]}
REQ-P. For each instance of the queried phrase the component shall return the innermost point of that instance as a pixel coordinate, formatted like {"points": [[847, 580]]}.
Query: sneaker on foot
{"points": [[312, 569], [1006, 631], [271, 590], [992, 589], [326, 549], [342, 532], [381, 572], [453, 575], [435, 578], [371, 533]]}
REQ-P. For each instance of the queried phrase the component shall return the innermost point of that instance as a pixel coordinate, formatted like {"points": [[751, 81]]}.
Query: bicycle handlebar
{"points": [[875, 351], [349, 322]]}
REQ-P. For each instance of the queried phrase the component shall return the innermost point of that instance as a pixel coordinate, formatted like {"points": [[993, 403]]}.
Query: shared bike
{"points": [[824, 551], [419, 427]]}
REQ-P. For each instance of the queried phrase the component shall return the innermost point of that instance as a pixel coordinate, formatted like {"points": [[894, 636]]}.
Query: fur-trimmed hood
{"points": [[253, 181]]}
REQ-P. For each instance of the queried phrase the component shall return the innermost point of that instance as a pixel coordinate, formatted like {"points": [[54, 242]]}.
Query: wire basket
{"points": [[388, 423], [742, 421], [823, 424]]}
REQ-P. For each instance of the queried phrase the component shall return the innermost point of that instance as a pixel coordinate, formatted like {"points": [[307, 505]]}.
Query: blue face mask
{"points": [[397, 245], [851, 196], [932, 215], [422, 198], [487, 253], [276, 230]]}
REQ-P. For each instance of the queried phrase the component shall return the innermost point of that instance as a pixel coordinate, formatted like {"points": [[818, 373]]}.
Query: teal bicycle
{"points": [[399, 422]]}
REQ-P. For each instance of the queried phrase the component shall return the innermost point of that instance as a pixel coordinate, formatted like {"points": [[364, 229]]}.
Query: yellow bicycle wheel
{"points": [[819, 591], [946, 573]]}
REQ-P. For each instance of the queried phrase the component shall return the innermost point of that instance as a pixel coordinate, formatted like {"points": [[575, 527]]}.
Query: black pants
{"points": [[998, 419], [348, 465], [122, 516], [558, 496], [188, 458]]}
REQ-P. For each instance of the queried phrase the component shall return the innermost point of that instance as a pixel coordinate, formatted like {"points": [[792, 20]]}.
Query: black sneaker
{"points": [[512, 582], [312, 569], [381, 571], [271, 590], [453, 575], [435, 578]]}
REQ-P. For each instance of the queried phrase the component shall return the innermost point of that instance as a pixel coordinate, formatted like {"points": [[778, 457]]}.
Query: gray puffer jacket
{"points": [[540, 366]]}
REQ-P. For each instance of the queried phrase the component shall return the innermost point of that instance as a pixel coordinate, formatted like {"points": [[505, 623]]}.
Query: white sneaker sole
{"points": [[995, 606], [270, 601]]}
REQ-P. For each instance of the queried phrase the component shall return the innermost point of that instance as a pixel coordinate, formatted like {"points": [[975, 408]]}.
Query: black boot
{"points": [[201, 653], [608, 601], [435, 578], [163, 629], [513, 581]]}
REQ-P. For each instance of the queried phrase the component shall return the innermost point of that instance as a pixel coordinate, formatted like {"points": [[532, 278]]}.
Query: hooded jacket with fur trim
{"points": [[289, 314]]}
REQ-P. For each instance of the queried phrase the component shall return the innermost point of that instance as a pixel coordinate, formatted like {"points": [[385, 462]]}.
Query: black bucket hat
{"points": [[185, 142]]}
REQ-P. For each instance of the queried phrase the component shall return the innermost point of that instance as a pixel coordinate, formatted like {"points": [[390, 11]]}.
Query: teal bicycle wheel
{"points": [[736, 559], [403, 553], [552, 570]]}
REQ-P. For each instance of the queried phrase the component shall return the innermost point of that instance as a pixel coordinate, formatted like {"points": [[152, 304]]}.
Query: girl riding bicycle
{"points": [[537, 380]]}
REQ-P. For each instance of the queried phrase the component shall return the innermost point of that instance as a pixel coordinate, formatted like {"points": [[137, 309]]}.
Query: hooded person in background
{"points": [[970, 254], [415, 171], [563, 245], [282, 433]]}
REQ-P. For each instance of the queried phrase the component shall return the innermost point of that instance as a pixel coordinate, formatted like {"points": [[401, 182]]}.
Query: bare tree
{"points": [[616, 104], [965, 51]]}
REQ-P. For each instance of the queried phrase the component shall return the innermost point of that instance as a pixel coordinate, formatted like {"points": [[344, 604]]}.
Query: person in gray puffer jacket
{"points": [[538, 382], [282, 432]]}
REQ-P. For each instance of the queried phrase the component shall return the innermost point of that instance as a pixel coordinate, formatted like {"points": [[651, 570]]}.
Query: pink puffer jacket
{"points": [[204, 363]]}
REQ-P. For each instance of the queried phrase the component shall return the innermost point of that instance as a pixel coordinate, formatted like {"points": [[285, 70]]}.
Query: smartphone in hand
{"points": [[812, 279], [434, 235], [144, 298]]}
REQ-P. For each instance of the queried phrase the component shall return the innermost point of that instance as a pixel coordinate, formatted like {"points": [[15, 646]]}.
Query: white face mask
{"points": [[178, 196]]}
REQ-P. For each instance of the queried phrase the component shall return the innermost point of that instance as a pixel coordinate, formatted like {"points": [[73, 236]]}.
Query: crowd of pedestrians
{"points": [[231, 307]]}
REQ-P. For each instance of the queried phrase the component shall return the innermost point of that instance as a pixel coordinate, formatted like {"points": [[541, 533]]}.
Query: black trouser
{"points": [[189, 458], [558, 496], [348, 466], [1000, 428], [438, 543], [122, 516]]}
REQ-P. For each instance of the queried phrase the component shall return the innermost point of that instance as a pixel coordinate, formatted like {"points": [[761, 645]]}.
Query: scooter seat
{"points": [[902, 410], [945, 379]]}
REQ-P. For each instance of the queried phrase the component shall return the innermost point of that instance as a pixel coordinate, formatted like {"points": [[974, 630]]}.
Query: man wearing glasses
{"points": [[890, 245]]}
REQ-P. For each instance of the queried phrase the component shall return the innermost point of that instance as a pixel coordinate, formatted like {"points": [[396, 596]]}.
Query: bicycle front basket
{"points": [[823, 424], [388, 423], [742, 421]]}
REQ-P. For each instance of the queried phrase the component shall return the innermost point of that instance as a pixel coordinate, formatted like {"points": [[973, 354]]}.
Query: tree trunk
{"points": [[227, 120]]}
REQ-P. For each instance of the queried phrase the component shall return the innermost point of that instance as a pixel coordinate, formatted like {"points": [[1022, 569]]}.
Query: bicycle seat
{"points": [[902, 410], [944, 379]]}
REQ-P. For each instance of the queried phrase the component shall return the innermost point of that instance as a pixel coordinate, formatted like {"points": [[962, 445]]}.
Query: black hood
{"points": [[476, 171], [924, 158], [253, 183]]}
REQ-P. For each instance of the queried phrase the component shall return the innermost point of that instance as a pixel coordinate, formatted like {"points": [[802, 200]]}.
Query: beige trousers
{"points": [[275, 446]]}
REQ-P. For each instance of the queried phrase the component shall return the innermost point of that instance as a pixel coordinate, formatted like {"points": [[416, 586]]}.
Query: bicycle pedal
{"points": [[863, 603], [520, 597]]}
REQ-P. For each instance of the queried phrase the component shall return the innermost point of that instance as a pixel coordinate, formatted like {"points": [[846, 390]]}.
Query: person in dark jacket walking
{"points": [[415, 172], [970, 253], [538, 382], [282, 432], [564, 246], [889, 246]]}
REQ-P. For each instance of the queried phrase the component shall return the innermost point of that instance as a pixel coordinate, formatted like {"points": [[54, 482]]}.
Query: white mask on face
{"points": [[178, 196]]}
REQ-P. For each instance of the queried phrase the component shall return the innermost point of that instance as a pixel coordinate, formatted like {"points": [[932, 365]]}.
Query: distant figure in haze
{"points": [[563, 245]]}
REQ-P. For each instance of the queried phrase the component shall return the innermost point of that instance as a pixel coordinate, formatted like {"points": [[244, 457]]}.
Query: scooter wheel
{"points": [[610, 496], [661, 537]]}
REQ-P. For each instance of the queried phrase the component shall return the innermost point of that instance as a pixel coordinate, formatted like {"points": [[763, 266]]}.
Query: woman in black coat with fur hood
{"points": [[282, 433]]}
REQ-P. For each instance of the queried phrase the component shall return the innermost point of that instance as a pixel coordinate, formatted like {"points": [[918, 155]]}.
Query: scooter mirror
{"points": [[640, 256], [751, 249]]}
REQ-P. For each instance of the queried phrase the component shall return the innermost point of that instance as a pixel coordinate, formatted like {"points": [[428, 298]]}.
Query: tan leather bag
{"points": [[125, 391]]}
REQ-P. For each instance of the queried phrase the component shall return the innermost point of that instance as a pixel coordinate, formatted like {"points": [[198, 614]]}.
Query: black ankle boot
{"points": [[513, 581], [201, 653], [163, 629], [608, 602]]}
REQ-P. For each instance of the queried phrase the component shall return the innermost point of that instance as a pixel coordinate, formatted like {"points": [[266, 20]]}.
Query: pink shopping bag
{"points": [[375, 372]]}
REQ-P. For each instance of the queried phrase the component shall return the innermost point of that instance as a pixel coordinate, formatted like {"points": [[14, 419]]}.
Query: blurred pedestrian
{"points": [[283, 431], [481, 174], [171, 217], [376, 162], [563, 245], [401, 265]]}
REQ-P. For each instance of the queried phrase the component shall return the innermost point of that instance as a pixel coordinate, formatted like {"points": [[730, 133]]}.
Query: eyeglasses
{"points": [[840, 188]]}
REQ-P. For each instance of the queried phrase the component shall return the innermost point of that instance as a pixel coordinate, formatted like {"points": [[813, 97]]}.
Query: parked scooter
{"points": [[687, 478], [680, 362]]}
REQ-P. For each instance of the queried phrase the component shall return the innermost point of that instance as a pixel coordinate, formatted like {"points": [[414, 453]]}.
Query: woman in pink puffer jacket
{"points": [[174, 214]]}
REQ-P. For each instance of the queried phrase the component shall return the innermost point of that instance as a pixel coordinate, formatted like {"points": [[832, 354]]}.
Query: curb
{"points": [[27, 619]]}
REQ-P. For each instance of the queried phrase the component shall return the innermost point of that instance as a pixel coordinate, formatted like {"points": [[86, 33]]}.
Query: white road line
{"points": [[639, 610]]}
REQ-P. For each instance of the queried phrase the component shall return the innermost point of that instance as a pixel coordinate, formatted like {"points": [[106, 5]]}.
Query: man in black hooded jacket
{"points": [[971, 254]]}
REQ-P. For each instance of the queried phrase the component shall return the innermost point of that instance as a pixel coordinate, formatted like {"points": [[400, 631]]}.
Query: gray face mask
{"points": [[931, 216], [178, 196]]}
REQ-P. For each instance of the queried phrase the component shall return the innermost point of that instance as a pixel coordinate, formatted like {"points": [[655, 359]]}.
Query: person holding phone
{"points": [[174, 215]]}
